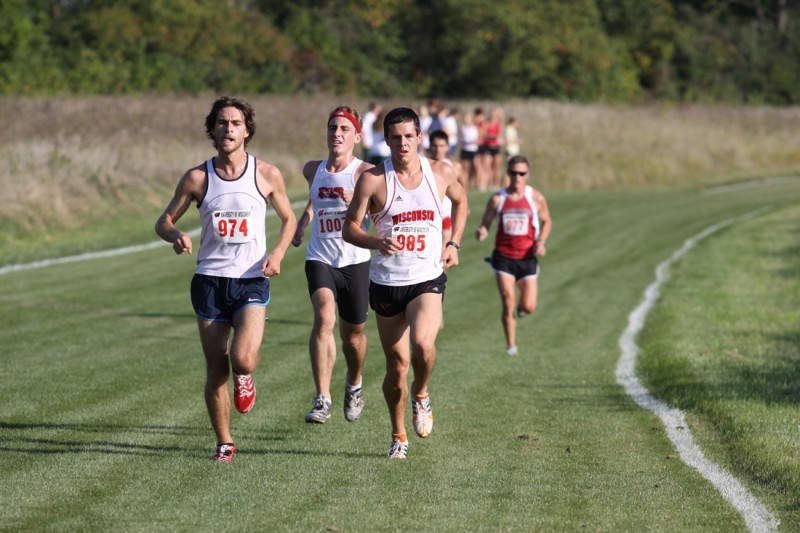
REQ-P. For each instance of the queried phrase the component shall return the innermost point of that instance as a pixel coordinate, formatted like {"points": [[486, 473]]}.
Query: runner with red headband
{"points": [[337, 272]]}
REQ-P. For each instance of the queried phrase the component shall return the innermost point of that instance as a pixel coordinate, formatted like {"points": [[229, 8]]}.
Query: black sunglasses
{"points": [[515, 173]]}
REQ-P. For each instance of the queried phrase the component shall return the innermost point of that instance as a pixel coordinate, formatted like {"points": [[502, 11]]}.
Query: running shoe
{"points": [[224, 453], [353, 403], [244, 392], [321, 411], [521, 313], [398, 449], [423, 415], [512, 350]]}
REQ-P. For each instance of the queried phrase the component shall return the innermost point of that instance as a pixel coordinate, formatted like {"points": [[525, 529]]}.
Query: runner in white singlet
{"points": [[407, 280], [230, 289], [337, 272]]}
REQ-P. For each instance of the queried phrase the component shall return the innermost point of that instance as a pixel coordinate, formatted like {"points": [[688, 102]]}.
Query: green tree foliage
{"points": [[617, 50]]}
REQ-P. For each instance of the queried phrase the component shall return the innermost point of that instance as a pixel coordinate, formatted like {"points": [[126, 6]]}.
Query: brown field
{"points": [[69, 162]]}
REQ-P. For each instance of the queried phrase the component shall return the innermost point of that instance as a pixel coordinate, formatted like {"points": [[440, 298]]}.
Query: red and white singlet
{"points": [[517, 225]]}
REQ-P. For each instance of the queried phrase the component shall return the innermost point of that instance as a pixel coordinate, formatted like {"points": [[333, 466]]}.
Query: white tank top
{"points": [[414, 218], [233, 241], [327, 199]]}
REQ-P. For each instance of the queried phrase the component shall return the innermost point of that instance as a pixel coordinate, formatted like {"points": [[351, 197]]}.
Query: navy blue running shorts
{"points": [[217, 299], [388, 300], [349, 284]]}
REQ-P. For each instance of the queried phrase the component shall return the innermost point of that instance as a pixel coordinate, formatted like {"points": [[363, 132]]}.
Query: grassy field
{"points": [[103, 425], [76, 170]]}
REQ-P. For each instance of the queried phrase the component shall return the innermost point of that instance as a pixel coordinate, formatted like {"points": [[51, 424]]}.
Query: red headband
{"points": [[348, 116]]}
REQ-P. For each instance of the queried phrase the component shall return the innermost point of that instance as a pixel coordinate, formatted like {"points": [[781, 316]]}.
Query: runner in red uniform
{"points": [[523, 226]]}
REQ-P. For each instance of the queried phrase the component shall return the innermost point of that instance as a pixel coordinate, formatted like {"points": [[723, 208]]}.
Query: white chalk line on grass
{"points": [[755, 514], [107, 253], [750, 184]]}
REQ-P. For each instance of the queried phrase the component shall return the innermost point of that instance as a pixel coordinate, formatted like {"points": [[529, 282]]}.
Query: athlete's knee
{"points": [[396, 373], [324, 321], [353, 340], [526, 308], [244, 361], [217, 371], [424, 347]]}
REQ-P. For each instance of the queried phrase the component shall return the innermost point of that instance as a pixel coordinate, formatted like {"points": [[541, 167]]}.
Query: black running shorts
{"points": [[519, 268], [350, 286], [388, 300]]}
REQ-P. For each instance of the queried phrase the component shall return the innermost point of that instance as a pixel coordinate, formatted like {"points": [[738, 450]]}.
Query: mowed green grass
{"points": [[724, 344], [103, 423]]}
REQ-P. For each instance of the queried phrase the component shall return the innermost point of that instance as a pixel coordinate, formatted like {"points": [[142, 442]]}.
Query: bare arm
{"points": [[369, 186], [457, 194], [309, 170], [272, 178], [488, 215], [189, 188], [545, 222]]}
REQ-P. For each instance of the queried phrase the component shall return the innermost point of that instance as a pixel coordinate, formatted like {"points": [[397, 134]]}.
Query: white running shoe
{"points": [[353, 403], [423, 416], [398, 449], [512, 350], [321, 410]]}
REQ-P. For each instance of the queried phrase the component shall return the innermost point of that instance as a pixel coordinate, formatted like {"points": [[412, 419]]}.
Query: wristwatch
{"points": [[454, 245]]}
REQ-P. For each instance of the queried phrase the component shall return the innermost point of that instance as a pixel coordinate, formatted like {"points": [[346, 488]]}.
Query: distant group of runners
{"points": [[418, 206]]}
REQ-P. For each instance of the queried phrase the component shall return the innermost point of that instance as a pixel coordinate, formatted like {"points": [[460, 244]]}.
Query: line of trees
{"points": [[615, 50]]}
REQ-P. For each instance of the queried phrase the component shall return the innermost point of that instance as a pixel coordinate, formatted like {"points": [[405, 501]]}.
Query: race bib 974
{"points": [[232, 227]]}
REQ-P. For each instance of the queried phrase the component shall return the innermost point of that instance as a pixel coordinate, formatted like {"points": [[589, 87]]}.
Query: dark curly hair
{"points": [[241, 105]]}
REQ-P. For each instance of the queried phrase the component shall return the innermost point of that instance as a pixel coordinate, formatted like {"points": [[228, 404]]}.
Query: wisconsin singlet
{"points": [[414, 219], [233, 240], [327, 199], [517, 225]]}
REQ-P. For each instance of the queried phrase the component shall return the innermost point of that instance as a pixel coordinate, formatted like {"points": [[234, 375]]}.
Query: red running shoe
{"points": [[244, 392], [224, 453]]}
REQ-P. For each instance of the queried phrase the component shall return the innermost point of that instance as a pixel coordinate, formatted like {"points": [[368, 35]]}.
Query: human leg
{"points": [[505, 285], [354, 346], [496, 170], [322, 344], [214, 339], [249, 323], [528, 295], [424, 316], [394, 334]]}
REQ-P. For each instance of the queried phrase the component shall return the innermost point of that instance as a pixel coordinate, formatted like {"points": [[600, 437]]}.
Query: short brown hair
{"points": [[516, 160]]}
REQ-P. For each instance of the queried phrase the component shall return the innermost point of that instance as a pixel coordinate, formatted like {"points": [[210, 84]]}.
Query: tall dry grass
{"points": [[68, 162]]}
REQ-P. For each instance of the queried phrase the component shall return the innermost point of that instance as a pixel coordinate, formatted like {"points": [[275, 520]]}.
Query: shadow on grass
{"points": [[193, 317], [16, 439]]}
